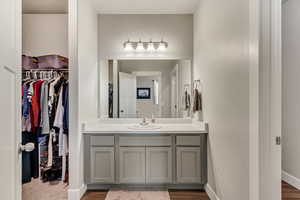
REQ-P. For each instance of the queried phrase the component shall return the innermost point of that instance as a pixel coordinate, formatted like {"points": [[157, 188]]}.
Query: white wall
{"points": [[221, 61], [45, 34], [84, 77], [163, 66], [114, 30], [103, 87], [185, 78], [291, 92]]}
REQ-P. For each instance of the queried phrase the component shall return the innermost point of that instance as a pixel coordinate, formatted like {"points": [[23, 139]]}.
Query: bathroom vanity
{"points": [[164, 155]]}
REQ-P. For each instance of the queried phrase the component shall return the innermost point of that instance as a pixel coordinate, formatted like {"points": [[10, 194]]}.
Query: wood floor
{"points": [[288, 193], [174, 194]]}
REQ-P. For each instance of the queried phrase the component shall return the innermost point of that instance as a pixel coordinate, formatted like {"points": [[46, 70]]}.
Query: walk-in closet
{"points": [[45, 100]]}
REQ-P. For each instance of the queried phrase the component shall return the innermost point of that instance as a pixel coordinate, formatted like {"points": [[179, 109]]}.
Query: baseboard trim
{"points": [[211, 193], [76, 194], [290, 179]]}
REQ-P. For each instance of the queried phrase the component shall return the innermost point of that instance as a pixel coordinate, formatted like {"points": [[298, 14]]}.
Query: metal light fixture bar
{"points": [[145, 46]]}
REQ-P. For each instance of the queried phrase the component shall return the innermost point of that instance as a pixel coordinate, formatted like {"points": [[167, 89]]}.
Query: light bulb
{"points": [[128, 46], [162, 46], [151, 46], [140, 46]]}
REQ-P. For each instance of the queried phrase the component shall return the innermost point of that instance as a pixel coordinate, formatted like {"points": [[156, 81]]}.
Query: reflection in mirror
{"points": [[145, 88]]}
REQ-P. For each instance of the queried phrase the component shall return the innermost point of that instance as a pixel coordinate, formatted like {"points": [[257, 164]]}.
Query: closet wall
{"points": [[38, 40], [290, 89]]}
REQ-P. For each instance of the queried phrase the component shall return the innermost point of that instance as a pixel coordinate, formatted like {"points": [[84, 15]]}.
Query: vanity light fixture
{"points": [[128, 46], [140, 46], [151, 46], [162, 46]]}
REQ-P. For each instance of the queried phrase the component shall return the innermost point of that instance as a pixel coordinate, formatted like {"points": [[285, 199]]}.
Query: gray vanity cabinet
{"points": [[145, 159], [190, 159], [102, 165], [145, 165], [175, 161], [188, 165], [159, 165], [132, 165]]}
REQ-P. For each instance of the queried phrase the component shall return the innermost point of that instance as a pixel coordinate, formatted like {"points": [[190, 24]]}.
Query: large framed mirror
{"points": [[145, 88]]}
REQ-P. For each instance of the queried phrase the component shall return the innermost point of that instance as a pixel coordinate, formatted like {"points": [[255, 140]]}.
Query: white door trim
{"points": [[254, 100], [76, 188], [16, 71], [269, 157]]}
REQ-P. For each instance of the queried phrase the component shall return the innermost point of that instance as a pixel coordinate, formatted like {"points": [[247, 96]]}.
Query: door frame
{"points": [[131, 75], [265, 100], [175, 75], [17, 71]]}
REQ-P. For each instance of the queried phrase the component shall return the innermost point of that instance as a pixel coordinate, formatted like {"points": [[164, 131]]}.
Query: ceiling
{"points": [[45, 6], [145, 6], [116, 6]]}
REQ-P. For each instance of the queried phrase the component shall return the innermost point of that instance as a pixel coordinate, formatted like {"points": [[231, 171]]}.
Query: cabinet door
{"points": [[102, 165], [188, 165], [132, 165], [158, 165]]}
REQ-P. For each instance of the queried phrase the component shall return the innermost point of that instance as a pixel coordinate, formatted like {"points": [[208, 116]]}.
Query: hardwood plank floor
{"points": [[289, 192], [174, 195], [188, 195]]}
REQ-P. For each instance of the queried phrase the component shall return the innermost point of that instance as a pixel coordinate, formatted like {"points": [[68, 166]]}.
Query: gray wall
{"points": [[114, 30], [146, 107], [291, 92], [221, 61]]}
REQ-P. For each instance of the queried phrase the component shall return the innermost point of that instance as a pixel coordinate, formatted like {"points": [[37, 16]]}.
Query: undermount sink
{"points": [[144, 127]]}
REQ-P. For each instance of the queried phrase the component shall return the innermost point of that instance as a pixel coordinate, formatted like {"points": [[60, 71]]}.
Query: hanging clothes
{"points": [[45, 122], [66, 108]]}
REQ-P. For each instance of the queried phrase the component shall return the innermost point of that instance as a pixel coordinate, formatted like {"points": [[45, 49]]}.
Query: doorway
{"points": [[45, 100], [290, 99]]}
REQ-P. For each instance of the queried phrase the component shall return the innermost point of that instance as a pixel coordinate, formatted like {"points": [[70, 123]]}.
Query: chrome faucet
{"points": [[144, 122], [153, 119]]}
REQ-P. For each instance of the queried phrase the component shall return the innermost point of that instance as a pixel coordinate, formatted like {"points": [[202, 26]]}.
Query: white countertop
{"points": [[124, 127]]}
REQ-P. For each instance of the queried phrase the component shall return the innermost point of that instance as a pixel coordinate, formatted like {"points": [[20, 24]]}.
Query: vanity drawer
{"points": [[145, 141], [188, 140], [102, 140]]}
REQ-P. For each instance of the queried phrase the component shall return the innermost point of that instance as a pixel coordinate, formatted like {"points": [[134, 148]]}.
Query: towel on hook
{"points": [[197, 103], [186, 101]]}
